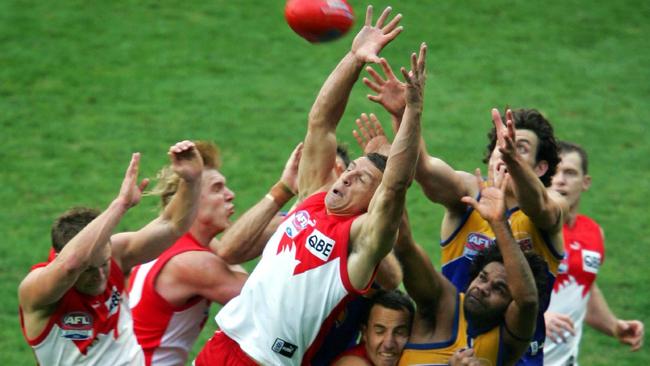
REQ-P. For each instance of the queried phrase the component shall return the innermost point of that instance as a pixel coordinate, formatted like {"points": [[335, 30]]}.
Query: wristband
{"points": [[280, 193]]}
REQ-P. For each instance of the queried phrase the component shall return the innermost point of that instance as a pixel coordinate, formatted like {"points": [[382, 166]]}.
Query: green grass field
{"points": [[85, 83]]}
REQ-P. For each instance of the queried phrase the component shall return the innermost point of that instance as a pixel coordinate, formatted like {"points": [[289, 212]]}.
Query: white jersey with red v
{"points": [[297, 289]]}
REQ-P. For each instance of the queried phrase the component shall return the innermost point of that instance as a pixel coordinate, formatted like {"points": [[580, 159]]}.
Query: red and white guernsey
{"points": [[89, 330], [165, 332], [296, 290], [585, 253]]}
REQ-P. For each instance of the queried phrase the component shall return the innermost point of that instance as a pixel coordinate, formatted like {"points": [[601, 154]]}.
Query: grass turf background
{"points": [[85, 83]]}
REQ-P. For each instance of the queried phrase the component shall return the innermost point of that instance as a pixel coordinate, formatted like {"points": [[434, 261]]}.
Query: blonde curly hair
{"points": [[167, 184]]}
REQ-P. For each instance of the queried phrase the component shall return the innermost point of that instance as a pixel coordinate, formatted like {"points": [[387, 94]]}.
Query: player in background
{"points": [[525, 146], [71, 307], [171, 295], [576, 298], [496, 316], [329, 247], [385, 330]]}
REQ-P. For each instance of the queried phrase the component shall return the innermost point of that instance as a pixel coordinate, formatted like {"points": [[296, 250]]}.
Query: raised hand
{"points": [[372, 39], [416, 77], [391, 92], [506, 140], [186, 160], [492, 206], [130, 192], [371, 137], [558, 327], [464, 357], [290, 173], [630, 332]]}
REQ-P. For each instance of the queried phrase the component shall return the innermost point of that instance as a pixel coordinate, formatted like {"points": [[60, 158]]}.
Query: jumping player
{"points": [[525, 146], [71, 308], [329, 247], [171, 295], [496, 315]]}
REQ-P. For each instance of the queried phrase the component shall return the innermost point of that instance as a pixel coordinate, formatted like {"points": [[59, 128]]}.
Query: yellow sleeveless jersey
{"points": [[474, 234], [487, 345]]}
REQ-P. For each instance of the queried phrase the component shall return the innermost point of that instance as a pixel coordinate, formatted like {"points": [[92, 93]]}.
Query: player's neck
{"points": [[202, 235], [572, 216]]}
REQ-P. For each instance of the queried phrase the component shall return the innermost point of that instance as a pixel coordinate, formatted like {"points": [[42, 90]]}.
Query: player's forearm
{"points": [[180, 213], [531, 194], [389, 273], [420, 280], [599, 315], [90, 241], [333, 97], [237, 242], [403, 156], [520, 276]]}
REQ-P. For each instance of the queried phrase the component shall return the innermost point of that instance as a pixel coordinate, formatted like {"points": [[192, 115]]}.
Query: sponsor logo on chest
{"points": [[590, 261], [77, 325], [320, 245]]}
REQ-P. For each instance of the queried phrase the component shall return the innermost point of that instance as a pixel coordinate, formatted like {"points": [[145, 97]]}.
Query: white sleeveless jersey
{"points": [[585, 253], [165, 332], [90, 330], [299, 285]]}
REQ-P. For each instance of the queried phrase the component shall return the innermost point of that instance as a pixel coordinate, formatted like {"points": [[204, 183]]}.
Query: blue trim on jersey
{"points": [[468, 212], [454, 333]]}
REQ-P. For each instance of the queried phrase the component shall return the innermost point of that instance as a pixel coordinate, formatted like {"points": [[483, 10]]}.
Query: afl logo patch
{"points": [[475, 243], [77, 325], [298, 223]]}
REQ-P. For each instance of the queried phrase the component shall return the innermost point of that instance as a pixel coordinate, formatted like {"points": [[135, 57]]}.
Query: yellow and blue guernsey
{"points": [[474, 234], [487, 344]]}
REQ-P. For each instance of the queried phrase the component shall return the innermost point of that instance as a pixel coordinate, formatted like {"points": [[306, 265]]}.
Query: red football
{"points": [[319, 20]]}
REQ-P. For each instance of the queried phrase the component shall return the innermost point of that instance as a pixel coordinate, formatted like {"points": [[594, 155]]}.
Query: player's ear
{"points": [[586, 182], [541, 167]]}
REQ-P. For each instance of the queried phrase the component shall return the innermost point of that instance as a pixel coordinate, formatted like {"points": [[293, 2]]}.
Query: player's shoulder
{"points": [[194, 265], [588, 221]]}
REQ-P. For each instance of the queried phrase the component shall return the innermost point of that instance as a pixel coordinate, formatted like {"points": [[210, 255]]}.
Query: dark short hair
{"points": [[69, 224], [537, 265], [342, 152], [394, 300], [565, 147], [533, 120], [378, 160]]}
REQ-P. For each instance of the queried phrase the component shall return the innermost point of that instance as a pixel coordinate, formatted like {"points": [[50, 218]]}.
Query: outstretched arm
{"points": [[320, 142], [372, 235], [45, 286], [132, 248], [433, 294], [439, 181], [546, 208], [241, 242], [521, 314], [601, 318]]}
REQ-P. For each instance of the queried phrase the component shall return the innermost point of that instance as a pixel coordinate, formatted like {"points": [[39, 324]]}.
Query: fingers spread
{"points": [[383, 16], [368, 16], [392, 24]]}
